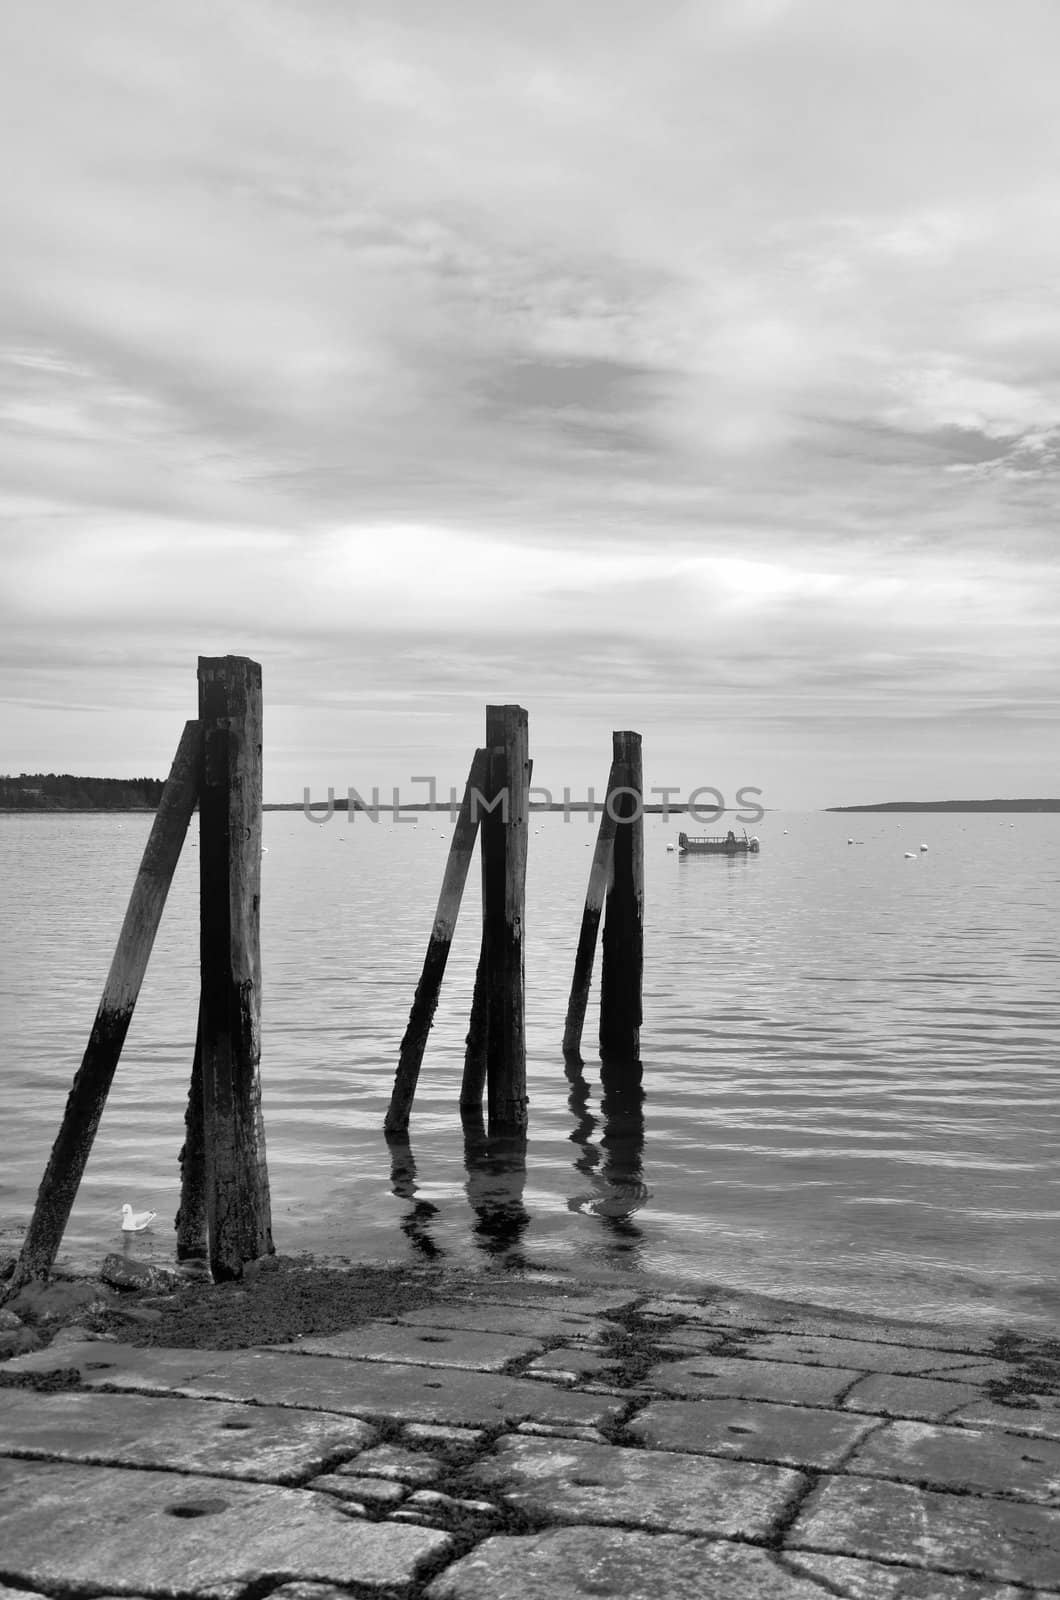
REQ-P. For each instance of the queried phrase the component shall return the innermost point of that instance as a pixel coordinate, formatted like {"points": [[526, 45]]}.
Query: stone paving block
{"points": [[438, 1504], [402, 1393], [872, 1357], [982, 1460], [756, 1311], [105, 1529], [534, 1322], [433, 1347], [374, 1492], [308, 1591], [735, 1378], [269, 1444], [567, 1364], [567, 1481], [391, 1461], [1004, 1540], [456, 1438], [96, 1360], [544, 1430], [927, 1399], [599, 1303], [867, 1580], [571, 1563], [797, 1436], [1040, 1415]]}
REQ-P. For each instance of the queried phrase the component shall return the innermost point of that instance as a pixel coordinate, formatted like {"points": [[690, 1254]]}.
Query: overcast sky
{"points": [[693, 368]]}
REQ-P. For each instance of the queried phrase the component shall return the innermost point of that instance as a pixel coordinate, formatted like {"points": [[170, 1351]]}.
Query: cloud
{"points": [[723, 330]]}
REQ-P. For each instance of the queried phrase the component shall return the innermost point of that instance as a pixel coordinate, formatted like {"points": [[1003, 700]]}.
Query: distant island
{"points": [[62, 791], [595, 806], [955, 805]]}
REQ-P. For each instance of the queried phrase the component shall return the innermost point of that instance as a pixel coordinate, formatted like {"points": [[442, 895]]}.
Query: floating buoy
{"points": [[923, 847], [910, 855]]}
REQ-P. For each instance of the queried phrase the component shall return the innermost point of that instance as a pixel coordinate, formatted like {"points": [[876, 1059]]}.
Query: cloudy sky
{"points": [[692, 367]]}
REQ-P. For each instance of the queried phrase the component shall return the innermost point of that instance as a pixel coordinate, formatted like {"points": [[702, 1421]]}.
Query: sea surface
{"points": [[850, 1058]]}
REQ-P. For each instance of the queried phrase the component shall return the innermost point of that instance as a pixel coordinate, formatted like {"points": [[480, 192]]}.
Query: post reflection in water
{"points": [[615, 1165], [496, 1180], [417, 1222]]}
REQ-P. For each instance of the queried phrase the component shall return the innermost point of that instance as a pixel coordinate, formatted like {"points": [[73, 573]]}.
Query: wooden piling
{"points": [[599, 876], [425, 1002], [191, 1220], [88, 1095], [622, 975], [504, 907], [237, 1185], [496, 1041], [473, 1084]]}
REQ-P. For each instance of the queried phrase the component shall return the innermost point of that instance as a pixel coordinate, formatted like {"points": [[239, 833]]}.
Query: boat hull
{"points": [[728, 846]]}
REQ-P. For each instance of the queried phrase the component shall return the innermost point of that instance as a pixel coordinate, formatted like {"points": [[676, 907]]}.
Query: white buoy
{"points": [[923, 847], [136, 1221]]}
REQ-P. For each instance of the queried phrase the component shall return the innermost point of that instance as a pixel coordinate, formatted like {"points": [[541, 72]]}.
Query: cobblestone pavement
{"points": [[525, 1441]]}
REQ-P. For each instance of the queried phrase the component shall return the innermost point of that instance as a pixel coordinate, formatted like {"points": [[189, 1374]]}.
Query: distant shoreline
{"points": [[77, 811], [443, 805], [955, 805], [580, 806]]}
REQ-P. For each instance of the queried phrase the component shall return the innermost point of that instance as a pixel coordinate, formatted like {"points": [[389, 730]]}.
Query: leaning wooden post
{"points": [[237, 1184], [88, 1095], [473, 1083], [425, 1002], [599, 876], [622, 975], [506, 1098]]}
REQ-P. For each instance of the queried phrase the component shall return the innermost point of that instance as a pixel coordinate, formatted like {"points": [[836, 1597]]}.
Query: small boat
{"points": [[718, 845]]}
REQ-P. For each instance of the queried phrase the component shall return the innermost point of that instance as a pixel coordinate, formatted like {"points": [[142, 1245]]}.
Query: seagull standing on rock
{"points": [[136, 1221]]}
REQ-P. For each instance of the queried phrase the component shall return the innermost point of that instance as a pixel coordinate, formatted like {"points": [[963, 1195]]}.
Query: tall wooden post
{"points": [[506, 1098], [473, 1084], [237, 1184], [622, 976], [497, 1036], [88, 1095], [191, 1220]]}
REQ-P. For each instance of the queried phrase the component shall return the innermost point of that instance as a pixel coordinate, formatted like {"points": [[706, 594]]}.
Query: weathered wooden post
{"points": [[237, 1185], [599, 877], [622, 976], [425, 1002], [192, 1225], [88, 1095], [473, 1083], [500, 982]]}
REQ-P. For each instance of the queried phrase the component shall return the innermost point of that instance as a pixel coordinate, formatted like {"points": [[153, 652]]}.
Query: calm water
{"points": [[850, 1059]]}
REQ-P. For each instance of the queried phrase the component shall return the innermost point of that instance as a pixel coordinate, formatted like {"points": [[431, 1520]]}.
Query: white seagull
{"points": [[136, 1221]]}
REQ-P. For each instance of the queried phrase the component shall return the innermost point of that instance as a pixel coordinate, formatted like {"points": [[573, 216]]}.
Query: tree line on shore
{"points": [[63, 791]]}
